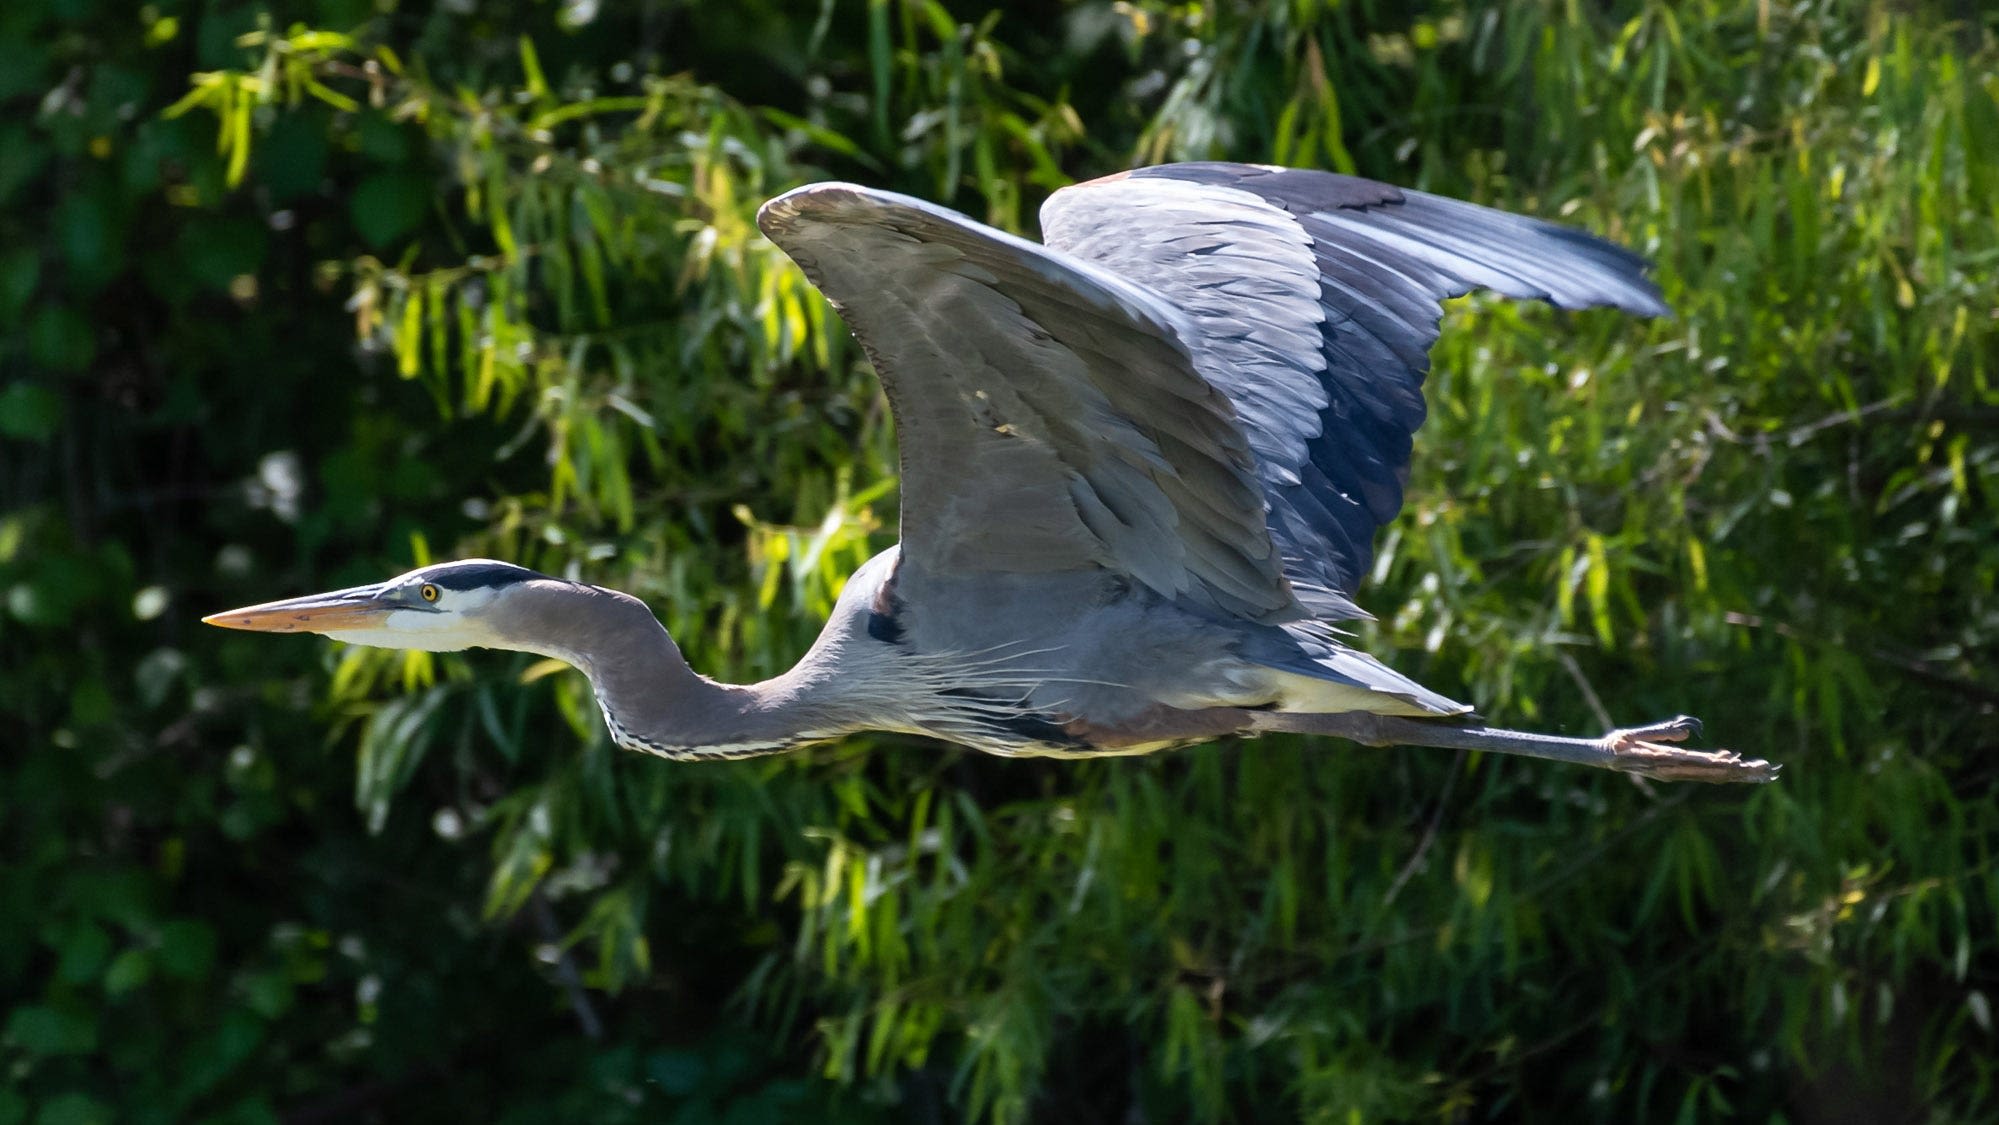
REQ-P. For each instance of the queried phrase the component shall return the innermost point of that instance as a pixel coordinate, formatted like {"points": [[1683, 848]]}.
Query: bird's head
{"points": [[441, 608]]}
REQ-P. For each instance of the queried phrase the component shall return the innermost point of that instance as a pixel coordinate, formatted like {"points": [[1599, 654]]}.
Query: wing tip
{"points": [[1650, 303], [1629, 287], [1635, 295]]}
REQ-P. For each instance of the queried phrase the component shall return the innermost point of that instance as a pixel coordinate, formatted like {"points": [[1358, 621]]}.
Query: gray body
{"points": [[1088, 661], [1142, 469]]}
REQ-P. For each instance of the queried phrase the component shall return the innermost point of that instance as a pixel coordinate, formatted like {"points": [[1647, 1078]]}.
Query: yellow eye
{"points": [[427, 592]]}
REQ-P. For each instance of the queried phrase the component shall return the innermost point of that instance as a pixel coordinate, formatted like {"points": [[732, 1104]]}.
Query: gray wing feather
{"points": [[1315, 298], [1048, 415]]}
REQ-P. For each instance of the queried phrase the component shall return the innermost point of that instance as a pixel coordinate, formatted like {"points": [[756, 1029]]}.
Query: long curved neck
{"points": [[651, 699]]}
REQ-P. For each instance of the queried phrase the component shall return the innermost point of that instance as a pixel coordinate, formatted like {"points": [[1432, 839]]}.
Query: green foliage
{"points": [[292, 305]]}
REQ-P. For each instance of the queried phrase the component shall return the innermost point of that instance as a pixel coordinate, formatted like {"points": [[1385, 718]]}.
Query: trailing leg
{"points": [[1642, 750]]}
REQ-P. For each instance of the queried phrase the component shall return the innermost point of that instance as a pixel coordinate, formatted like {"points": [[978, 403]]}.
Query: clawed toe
{"points": [[1640, 750], [1677, 729]]}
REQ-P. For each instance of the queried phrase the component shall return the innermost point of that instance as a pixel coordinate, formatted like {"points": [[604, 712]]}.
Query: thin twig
{"points": [[1798, 435], [565, 967], [1589, 694], [1886, 410], [1595, 704], [1911, 666], [1429, 833]]}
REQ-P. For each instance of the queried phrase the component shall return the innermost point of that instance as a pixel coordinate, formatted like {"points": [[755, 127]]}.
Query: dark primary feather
{"points": [[1316, 298]]}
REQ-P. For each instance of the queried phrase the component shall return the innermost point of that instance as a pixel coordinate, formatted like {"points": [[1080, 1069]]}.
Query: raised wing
{"points": [[1315, 298], [1048, 416]]}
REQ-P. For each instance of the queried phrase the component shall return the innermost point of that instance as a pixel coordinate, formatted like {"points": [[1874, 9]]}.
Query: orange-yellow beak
{"points": [[342, 611]]}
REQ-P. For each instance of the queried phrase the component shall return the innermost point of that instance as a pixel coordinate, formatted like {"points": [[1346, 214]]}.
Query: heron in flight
{"points": [[1142, 463]]}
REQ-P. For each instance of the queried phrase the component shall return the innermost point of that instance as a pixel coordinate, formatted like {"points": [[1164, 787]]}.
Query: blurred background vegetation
{"points": [[295, 295]]}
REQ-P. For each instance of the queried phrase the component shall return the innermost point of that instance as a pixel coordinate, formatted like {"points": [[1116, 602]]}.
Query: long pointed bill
{"points": [[341, 611]]}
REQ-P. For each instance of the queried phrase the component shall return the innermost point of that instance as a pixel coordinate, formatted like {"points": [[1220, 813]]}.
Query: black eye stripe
{"points": [[476, 575]]}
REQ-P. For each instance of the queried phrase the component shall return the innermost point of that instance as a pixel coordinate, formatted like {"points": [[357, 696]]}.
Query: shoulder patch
{"points": [[885, 610], [885, 628]]}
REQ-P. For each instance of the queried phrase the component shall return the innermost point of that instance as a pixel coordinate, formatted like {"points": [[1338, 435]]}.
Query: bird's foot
{"points": [[1643, 751]]}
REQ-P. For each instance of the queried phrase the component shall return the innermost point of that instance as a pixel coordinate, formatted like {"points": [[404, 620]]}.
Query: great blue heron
{"points": [[1142, 467]]}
